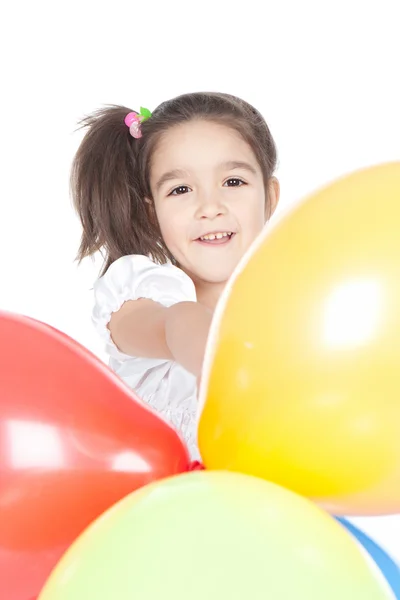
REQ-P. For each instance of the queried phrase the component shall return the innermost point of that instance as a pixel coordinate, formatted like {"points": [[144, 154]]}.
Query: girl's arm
{"points": [[147, 329]]}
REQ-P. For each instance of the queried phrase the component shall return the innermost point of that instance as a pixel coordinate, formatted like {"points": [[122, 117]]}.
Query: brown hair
{"points": [[110, 171]]}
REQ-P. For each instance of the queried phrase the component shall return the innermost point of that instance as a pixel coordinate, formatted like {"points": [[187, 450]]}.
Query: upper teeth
{"points": [[215, 236]]}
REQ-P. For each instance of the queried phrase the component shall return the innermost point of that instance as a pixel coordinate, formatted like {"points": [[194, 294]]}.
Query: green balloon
{"points": [[213, 535]]}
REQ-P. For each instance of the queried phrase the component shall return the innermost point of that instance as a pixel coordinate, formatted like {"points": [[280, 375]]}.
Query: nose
{"points": [[209, 205]]}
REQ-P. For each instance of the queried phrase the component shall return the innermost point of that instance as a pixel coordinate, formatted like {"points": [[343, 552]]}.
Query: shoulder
{"points": [[135, 276]]}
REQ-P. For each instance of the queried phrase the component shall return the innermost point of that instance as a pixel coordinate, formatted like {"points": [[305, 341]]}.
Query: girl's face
{"points": [[209, 198]]}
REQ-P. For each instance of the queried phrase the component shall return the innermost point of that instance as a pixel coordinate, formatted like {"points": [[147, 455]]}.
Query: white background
{"points": [[324, 74]]}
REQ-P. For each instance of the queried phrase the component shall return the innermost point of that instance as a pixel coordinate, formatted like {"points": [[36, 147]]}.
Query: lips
{"points": [[217, 238]]}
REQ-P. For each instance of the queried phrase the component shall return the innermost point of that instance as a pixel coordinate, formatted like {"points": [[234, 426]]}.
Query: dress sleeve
{"points": [[133, 277]]}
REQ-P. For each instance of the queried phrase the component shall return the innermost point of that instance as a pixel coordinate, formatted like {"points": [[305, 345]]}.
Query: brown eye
{"points": [[181, 189], [234, 182]]}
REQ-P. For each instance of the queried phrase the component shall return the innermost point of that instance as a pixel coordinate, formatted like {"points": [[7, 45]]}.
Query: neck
{"points": [[208, 294]]}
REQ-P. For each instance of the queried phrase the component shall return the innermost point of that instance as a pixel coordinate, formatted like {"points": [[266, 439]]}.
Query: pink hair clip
{"points": [[133, 120]]}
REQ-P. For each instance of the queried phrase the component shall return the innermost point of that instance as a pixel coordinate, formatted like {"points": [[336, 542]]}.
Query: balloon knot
{"points": [[195, 465]]}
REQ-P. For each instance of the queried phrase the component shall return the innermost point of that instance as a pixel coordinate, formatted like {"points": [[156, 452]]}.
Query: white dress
{"points": [[164, 385]]}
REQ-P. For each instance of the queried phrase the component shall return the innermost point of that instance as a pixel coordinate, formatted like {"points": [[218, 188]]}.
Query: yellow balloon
{"points": [[302, 379]]}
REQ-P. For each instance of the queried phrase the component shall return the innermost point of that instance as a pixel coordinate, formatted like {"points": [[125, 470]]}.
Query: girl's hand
{"points": [[186, 331], [179, 332]]}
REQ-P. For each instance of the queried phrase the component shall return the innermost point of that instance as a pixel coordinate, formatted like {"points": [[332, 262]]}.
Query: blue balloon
{"points": [[387, 565]]}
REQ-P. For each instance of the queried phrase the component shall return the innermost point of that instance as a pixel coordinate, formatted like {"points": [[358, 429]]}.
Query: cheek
{"points": [[253, 218], [170, 227]]}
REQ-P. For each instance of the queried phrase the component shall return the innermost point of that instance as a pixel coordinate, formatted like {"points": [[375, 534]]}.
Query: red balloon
{"points": [[74, 440]]}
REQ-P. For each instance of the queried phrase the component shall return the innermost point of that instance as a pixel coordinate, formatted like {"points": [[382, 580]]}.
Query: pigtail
{"points": [[107, 191]]}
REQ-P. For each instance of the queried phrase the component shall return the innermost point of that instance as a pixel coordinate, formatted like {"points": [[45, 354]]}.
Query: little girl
{"points": [[173, 199]]}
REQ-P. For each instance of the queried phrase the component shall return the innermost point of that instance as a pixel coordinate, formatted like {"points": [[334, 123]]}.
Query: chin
{"points": [[216, 277], [210, 273]]}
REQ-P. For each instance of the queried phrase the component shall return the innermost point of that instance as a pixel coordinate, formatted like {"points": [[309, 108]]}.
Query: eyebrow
{"points": [[169, 176], [180, 173], [239, 164]]}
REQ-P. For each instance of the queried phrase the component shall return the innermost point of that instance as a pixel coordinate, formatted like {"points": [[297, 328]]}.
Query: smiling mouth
{"points": [[216, 239]]}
